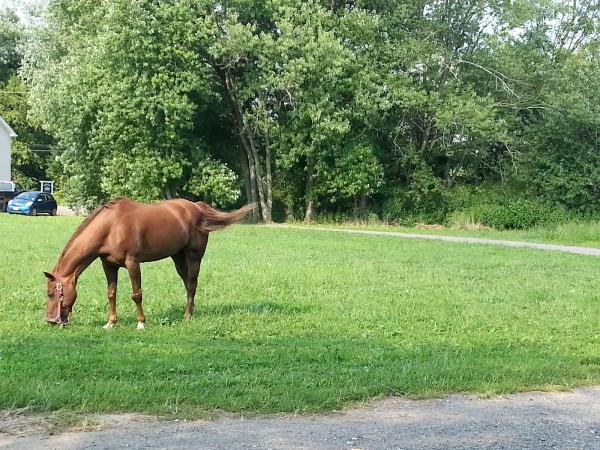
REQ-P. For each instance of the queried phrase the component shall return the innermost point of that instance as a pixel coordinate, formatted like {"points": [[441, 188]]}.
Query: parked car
{"points": [[8, 191], [32, 203]]}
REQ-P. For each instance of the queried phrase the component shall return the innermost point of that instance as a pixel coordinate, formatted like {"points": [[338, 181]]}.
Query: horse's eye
{"points": [[50, 294]]}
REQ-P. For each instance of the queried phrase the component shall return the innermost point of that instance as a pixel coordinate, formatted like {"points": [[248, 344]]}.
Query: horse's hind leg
{"points": [[181, 266], [135, 274], [112, 274], [193, 269], [193, 257]]}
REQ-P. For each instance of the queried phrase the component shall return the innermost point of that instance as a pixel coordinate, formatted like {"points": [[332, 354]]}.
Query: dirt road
{"points": [[589, 251], [569, 420]]}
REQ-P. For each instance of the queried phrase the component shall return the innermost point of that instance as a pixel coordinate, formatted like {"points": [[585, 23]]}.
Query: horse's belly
{"points": [[143, 250], [148, 256], [159, 246]]}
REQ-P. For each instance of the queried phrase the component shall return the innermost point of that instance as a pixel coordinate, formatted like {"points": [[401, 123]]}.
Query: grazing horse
{"points": [[125, 233]]}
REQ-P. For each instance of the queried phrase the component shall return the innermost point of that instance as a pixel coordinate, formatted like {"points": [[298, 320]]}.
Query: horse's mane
{"points": [[85, 224]]}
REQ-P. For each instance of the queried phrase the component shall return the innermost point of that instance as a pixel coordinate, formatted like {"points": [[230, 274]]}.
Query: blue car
{"points": [[32, 204]]}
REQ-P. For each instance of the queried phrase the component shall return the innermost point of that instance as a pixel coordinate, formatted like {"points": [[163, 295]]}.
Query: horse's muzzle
{"points": [[61, 318], [57, 321]]}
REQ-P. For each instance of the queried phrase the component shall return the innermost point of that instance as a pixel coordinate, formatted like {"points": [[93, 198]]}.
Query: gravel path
{"points": [[66, 211], [591, 251], [566, 420]]}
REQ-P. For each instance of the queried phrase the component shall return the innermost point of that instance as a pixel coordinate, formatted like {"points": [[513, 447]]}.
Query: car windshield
{"points": [[27, 195]]}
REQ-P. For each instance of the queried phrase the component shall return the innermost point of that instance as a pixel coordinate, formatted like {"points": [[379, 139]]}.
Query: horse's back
{"points": [[129, 211], [148, 231]]}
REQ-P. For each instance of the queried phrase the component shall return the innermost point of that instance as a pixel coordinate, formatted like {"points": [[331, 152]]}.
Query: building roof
{"points": [[8, 129]]}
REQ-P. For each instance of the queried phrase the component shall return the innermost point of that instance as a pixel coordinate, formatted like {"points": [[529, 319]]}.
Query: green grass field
{"points": [[297, 320]]}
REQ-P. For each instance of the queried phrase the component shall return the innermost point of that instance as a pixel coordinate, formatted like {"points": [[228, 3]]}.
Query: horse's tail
{"points": [[212, 219]]}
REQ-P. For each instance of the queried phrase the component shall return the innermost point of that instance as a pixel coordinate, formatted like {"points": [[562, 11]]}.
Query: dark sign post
{"points": [[47, 187]]}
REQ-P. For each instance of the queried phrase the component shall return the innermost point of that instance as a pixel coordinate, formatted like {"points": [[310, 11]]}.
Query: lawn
{"points": [[294, 320]]}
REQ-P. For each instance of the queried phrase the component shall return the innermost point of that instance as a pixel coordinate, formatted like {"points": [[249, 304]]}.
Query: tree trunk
{"points": [[363, 206], [249, 182], [425, 140], [168, 192], [247, 141], [310, 211], [289, 210], [310, 181], [269, 177], [266, 212]]}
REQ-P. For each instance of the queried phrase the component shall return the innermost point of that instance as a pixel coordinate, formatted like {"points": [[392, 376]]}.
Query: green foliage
{"points": [[565, 159], [490, 206], [22, 159], [141, 175], [355, 172], [514, 214], [11, 35], [118, 98], [424, 200], [493, 207], [32, 149], [328, 105], [214, 183]]}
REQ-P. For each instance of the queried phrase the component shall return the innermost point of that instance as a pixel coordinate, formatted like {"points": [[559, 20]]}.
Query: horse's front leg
{"points": [[112, 273], [133, 267]]}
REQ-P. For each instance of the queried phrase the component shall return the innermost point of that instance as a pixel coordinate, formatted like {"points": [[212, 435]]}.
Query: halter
{"points": [[61, 296]]}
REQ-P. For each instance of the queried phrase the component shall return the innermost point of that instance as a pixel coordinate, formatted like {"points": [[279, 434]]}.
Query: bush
{"points": [[468, 206], [515, 214], [422, 201]]}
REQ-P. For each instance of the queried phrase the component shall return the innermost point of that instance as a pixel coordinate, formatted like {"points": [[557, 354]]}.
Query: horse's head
{"points": [[61, 297]]}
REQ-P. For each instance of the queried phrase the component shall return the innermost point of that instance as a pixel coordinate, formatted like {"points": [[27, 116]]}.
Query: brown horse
{"points": [[125, 233]]}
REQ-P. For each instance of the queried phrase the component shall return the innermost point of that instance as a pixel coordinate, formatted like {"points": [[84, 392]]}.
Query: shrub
{"points": [[465, 206], [515, 214], [422, 201]]}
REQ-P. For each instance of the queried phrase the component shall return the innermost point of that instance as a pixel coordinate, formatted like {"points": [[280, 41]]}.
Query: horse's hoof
{"points": [[140, 325], [108, 326]]}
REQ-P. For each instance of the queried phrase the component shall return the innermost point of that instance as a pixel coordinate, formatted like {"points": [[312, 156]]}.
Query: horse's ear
{"points": [[50, 276]]}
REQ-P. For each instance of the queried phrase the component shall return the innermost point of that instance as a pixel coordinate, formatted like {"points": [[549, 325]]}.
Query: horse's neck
{"points": [[76, 258]]}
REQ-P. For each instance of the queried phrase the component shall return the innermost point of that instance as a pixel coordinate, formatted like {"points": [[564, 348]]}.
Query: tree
{"points": [[314, 92], [564, 156], [121, 94], [32, 150], [321, 105], [11, 35]]}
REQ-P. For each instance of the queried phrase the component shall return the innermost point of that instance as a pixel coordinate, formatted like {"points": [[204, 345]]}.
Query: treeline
{"points": [[405, 110]]}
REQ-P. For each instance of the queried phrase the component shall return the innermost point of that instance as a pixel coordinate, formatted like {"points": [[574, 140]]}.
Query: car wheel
{"points": [[2, 206], [53, 212], [34, 212]]}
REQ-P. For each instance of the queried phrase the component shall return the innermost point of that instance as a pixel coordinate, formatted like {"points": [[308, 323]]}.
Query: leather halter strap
{"points": [[61, 295]]}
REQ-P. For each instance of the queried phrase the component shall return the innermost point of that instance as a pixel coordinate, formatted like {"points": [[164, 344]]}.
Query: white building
{"points": [[6, 136]]}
